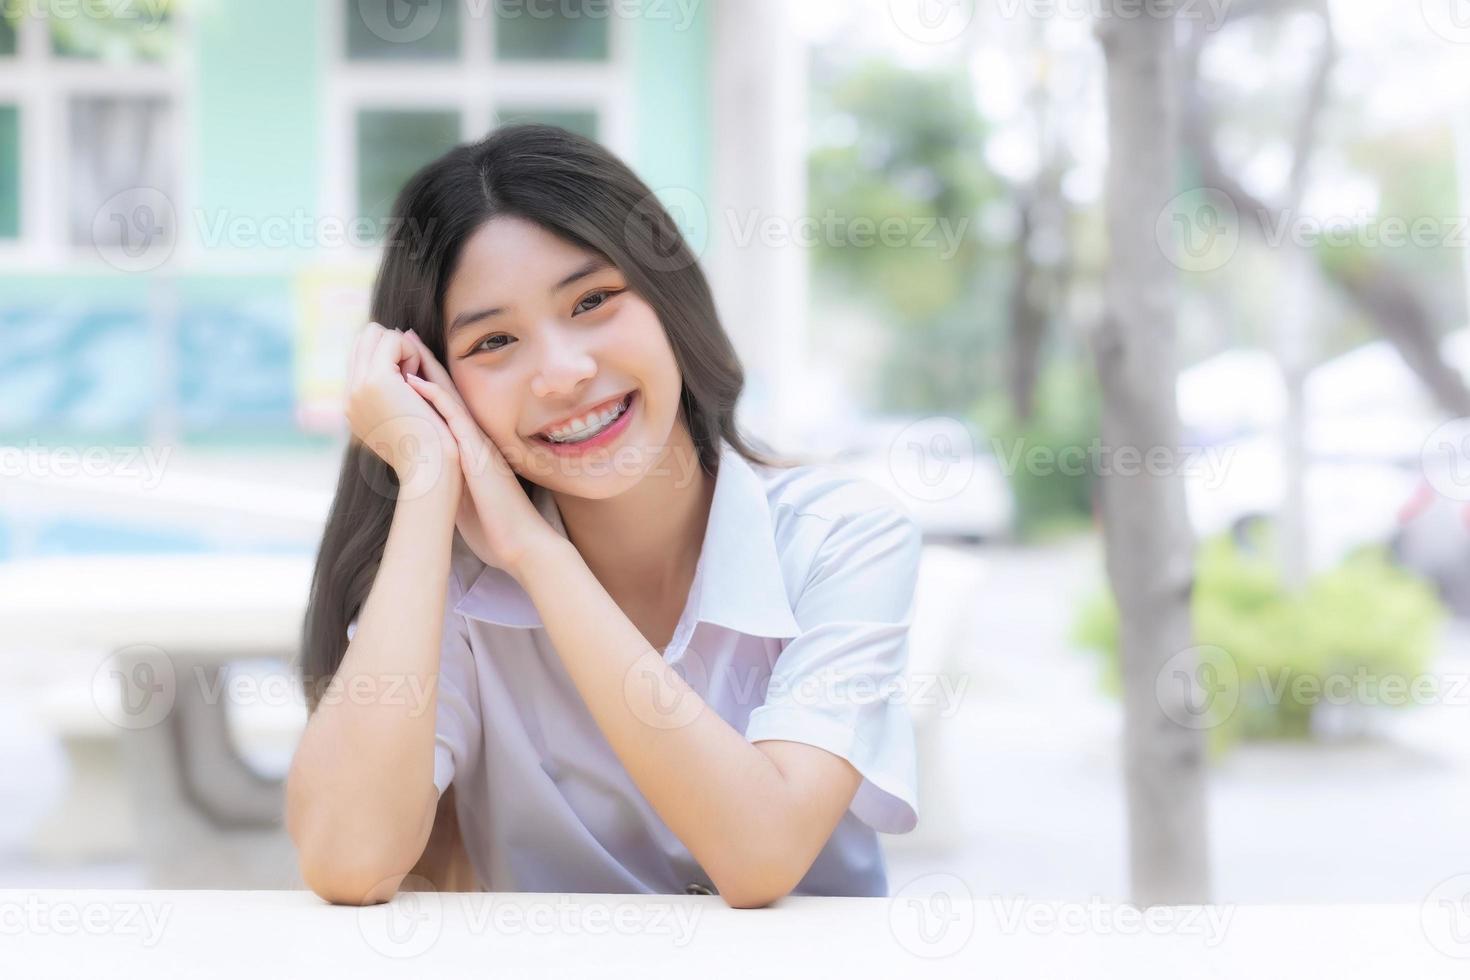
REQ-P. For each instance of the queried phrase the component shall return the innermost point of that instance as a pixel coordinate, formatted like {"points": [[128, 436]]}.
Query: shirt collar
{"points": [[738, 582]]}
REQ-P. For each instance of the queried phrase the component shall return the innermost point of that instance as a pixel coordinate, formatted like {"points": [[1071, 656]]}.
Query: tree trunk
{"points": [[1028, 317], [1148, 542]]}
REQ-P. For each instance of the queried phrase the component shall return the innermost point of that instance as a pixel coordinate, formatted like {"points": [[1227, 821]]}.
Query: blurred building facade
{"points": [[191, 192]]}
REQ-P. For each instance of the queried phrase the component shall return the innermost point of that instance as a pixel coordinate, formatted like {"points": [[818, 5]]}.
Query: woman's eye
{"points": [[482, 344], [601, 295]]}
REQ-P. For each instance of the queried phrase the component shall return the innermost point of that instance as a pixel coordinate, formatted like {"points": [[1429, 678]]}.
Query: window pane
{"points": [[120, 179], [234, 372], [540, 30], [112, 31], [9, 171], [7, 35], [393, 29], [391, 145], [77, 366], [583, 121]]}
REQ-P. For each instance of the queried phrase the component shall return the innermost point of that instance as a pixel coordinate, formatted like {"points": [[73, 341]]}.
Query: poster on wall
{"points": [[332, 305]]}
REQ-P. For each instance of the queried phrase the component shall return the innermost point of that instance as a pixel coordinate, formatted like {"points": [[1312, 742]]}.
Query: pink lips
{"points": [[603, 438]]}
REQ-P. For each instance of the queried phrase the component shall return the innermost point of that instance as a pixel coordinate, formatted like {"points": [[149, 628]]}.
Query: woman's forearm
{"points": [[360, 793], [718, 793]]}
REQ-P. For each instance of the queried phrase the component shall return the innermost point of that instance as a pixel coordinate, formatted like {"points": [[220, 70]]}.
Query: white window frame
{"points": [[42, 85], [474, 85]]}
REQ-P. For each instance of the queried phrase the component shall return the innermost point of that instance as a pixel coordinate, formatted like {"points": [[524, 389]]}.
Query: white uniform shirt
{"points": [[796, 628]]}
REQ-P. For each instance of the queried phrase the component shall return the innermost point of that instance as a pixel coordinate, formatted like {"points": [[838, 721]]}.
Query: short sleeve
{"points": [[457, 724], [839, 684]]}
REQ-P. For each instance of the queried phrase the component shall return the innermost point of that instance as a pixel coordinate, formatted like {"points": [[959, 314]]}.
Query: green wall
{"points": [[673, 98], [256, 121]]}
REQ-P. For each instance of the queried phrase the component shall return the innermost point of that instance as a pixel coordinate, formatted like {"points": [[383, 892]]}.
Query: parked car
{"points": [[939, 468], [1367, 479], [1347, 503], [1433, 535]]}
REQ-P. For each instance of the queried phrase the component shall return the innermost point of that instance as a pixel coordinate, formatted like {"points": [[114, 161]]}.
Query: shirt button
{"points": [[695, 888]]}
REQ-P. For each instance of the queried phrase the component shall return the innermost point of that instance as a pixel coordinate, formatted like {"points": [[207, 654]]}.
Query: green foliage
{"points": [[1042, 454], [1363, 633], [937, 364], [1416, 228], [905, 148]]}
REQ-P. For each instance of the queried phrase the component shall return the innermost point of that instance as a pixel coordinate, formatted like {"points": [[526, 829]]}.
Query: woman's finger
{"points": [[432, 369], [409, 360], [405, 356], [388, 353], [362, 350], [473, 443], [421, 355], [453, 412], [381, 352]]}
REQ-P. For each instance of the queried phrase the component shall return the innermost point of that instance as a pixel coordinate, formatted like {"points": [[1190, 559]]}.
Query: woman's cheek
{"points": [[485, 416]]}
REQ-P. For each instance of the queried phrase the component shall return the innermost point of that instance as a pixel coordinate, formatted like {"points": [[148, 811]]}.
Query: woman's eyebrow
{"points": [[473, 316]]}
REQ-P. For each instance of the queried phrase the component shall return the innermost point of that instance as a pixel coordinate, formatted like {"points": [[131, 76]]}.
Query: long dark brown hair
{"points": [[576, 189]]}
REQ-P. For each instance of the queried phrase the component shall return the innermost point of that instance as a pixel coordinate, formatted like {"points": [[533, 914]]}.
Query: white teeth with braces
{"points": [[581, 429]]}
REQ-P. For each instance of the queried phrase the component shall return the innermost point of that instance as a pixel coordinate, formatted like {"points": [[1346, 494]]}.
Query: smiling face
{"points": [[538, 330]]}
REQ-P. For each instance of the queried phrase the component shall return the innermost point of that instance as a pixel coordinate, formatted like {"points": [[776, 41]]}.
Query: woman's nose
{"points": [[565, 364]]}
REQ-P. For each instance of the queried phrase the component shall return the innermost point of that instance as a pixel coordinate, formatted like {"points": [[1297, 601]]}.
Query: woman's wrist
{"points": [[542, 552], [438, 498]]}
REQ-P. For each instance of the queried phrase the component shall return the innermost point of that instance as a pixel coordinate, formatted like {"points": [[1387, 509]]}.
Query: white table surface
{"points": [[277, 934]]}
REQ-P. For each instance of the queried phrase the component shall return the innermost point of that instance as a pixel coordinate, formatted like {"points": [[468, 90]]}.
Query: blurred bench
{"points": [[173, 786], [151, 737]]}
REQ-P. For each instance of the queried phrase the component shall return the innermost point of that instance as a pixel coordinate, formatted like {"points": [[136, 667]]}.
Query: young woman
{"points": [[580, 636]]}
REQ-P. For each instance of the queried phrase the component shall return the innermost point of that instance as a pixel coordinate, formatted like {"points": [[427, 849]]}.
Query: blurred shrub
{"points": [[1361, 634], [1046, 457]]}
